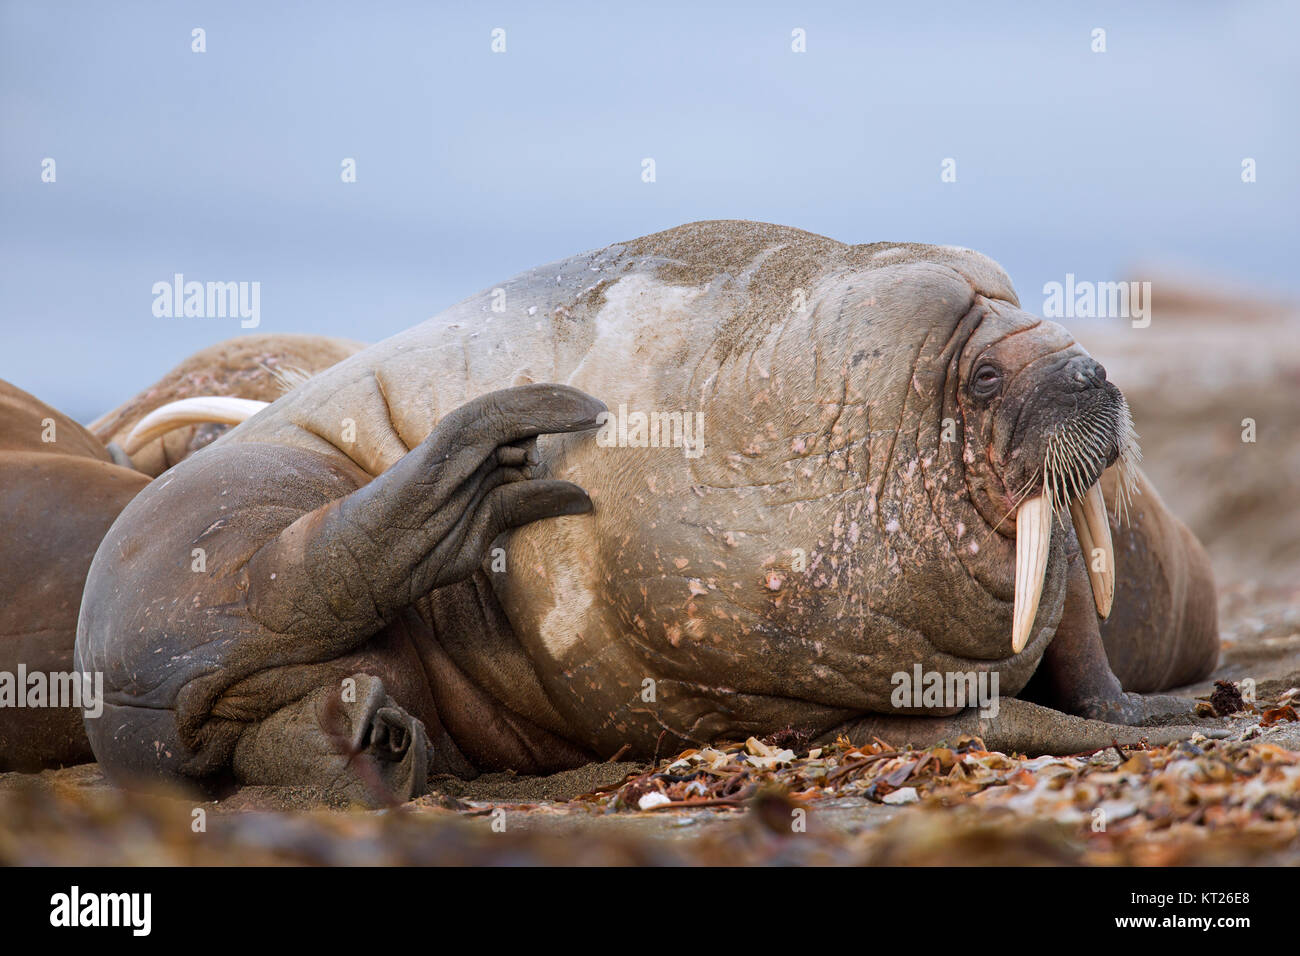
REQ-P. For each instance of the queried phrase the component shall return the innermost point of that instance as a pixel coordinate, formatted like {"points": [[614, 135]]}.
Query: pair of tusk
{"points": [[201, 410], [1033, 542]]}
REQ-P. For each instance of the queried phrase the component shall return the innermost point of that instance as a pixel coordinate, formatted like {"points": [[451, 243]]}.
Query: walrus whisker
{"points": [[1130, 454], [288, 377], [1071, 484]]}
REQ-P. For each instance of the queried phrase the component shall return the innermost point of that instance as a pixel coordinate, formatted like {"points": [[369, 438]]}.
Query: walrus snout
{"points": [[1074, 426], [1071, 425], [1091, 371], [1080, 446]]}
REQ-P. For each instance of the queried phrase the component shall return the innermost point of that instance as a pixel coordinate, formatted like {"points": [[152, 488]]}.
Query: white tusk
{"points": [[201, 410], [1033, 541], [1092, 529]]}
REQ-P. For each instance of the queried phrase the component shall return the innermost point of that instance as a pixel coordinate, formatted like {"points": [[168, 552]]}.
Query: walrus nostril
{"points": [[1088, 371]]}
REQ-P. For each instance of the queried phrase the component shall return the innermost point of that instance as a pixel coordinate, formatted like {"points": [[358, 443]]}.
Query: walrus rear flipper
{"points": [[324, 738], [347, 568], [338, 574], [1018, 727], [303, 569]]}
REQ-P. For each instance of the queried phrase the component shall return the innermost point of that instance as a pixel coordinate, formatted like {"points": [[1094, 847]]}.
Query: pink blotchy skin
{"points": [[825, 536]]}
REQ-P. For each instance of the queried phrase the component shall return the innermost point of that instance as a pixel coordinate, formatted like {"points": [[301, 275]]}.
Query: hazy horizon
{"points": [[473, 166]]}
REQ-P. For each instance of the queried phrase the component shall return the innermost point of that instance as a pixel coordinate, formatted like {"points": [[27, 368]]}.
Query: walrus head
{"points": [[1041, 425]]}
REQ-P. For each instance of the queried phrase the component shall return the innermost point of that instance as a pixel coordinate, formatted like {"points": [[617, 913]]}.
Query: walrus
{"points": [[463, 549], [210, 391], [61, 487], [60, 490]]}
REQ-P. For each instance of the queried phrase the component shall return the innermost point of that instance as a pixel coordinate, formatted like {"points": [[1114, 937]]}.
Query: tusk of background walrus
{"points": [[201, 410], [1093, 531], [1033, 540]]}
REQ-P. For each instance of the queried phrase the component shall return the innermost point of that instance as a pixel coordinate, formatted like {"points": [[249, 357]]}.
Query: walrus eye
{"points": [[987, 382]]}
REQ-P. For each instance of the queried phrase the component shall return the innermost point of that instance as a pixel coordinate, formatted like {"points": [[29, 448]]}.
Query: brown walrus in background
{"points": [[63, 485], [57, 499], [254, 368], [901, 469]]}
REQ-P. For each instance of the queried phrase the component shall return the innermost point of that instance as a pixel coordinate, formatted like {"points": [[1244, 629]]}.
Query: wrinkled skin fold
{"points": [[458, 550]]}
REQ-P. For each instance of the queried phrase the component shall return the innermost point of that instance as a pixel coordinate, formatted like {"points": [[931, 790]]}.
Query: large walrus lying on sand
{"points": [[826, 466], [61, 487]]}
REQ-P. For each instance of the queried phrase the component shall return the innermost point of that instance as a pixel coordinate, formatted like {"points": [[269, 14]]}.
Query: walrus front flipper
{"points": [[1076, 703], [1075, 675], [1018, 727]]}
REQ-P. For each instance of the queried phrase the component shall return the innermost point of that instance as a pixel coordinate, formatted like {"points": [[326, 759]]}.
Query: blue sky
{"points": [[472, 166]]}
